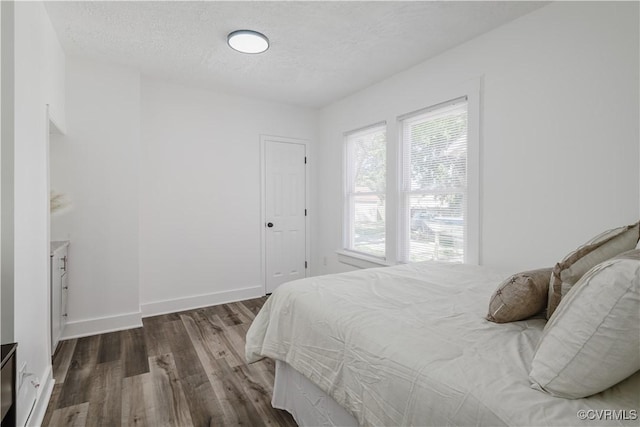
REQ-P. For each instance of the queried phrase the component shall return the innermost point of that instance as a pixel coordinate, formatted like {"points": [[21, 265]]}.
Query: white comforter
{"points": [[409, 345]]}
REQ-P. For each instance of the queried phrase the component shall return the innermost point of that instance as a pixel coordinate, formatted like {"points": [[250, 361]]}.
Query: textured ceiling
{"points": [[320, 51]]}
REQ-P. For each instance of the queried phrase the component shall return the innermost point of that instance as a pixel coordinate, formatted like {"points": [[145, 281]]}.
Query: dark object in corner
{"points": [[8, 385]]}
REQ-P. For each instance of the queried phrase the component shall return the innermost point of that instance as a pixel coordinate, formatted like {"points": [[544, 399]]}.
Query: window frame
{"points": [[349, 195], [472, 200], [395, 223]]}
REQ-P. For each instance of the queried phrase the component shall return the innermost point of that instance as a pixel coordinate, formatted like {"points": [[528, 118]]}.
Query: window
{"points": [[434, 183], [365, 186]]}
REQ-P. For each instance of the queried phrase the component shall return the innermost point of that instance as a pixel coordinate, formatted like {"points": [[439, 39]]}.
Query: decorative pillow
{"points": [[602, 247], [520, 296], [592, 341], [632, 254]]}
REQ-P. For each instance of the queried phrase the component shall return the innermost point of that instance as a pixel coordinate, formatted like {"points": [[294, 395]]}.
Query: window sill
{"points": [[358, 260]]}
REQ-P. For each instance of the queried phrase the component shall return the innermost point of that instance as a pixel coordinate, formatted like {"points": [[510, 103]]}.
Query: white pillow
{"points": [[599, 249], [592, 341]]}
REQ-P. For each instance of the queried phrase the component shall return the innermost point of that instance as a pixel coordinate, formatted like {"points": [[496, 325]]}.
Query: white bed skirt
{"points": [[309, 405]]}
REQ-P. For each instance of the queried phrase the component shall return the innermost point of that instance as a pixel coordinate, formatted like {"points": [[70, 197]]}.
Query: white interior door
{"points": [[285, 212]]}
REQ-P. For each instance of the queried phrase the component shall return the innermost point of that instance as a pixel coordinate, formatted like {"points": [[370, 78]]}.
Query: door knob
{"points": [[269, 224]]}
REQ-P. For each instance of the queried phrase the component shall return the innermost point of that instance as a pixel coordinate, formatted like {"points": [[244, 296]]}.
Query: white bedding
{"points": [[308, 405], [408, 345]]}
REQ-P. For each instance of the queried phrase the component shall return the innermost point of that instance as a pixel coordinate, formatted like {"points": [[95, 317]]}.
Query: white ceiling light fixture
{"points": [[248, 41]]}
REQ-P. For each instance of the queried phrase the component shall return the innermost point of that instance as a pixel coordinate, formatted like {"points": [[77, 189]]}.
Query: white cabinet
{"points": [[59, 290]]}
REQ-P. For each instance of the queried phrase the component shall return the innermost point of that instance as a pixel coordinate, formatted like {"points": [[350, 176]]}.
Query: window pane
{"points": [[435, 183], [436, 227], [368, 224], [369, 162], [438, 149], [365, 190]]}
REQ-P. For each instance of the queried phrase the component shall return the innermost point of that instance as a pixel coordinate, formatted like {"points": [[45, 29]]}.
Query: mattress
{"points": [[409, 345], [304, 400]]}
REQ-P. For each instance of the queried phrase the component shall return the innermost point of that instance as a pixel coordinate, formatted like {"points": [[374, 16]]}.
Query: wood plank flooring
{"points": [[179, 369]]}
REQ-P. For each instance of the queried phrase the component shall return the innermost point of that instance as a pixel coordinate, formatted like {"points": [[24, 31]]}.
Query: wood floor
{"points": [[179, 369]]}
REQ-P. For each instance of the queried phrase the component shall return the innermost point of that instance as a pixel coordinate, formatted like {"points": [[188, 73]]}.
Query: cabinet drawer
{"points": [[63, 299], [59, 290], [62, 263]]}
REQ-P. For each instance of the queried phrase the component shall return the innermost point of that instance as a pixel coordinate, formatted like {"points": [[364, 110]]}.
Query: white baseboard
{"points": [[42, 401], [101, 325], [196, 301]]}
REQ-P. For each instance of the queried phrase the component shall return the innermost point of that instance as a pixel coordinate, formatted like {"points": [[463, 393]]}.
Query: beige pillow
{"points": [[602, 247], [592, 341], [520, 296], [632, 254]]}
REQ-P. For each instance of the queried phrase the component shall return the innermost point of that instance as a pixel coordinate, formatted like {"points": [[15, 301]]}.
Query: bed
{"points": [[409, 345]]}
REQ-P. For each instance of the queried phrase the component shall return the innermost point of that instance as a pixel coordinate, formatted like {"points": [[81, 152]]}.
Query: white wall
{"points": [[31, 263], [559, 135], [53, 74], [31, 258], [96, 166], [164, 187], [7, 175], [200, 193]]}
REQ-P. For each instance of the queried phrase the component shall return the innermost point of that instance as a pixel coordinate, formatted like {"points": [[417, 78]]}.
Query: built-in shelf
{"points": [[56, 127], [57, 244]]}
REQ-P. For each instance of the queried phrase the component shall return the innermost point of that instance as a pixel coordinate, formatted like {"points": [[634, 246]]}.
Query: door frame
{"points": [[51, 127], [263, 193]]}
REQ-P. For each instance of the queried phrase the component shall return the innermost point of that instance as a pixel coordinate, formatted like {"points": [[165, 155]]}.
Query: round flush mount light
{"points": [[248, 41]]}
